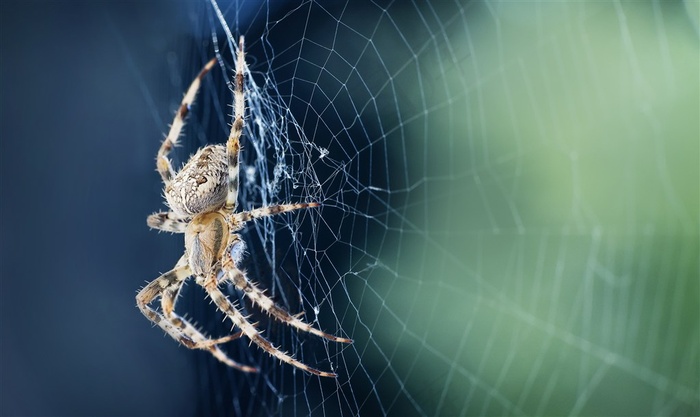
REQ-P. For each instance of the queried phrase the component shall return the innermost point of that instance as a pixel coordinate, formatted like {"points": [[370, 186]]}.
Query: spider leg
{"points": [[233, 144], [167, 286], [250, 331], [200, 341], [257, 296], [155, 289], [246, 216], [167, 221], [165, 169]]}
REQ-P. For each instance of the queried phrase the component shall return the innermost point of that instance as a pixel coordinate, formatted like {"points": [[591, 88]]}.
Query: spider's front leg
{"points": [[258, 296], [223, 303], [156, 288], [199, 340], [167, 287], [210, 284]]}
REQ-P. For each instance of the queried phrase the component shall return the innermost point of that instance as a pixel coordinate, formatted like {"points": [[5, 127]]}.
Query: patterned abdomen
{"points": [[200, 186]]}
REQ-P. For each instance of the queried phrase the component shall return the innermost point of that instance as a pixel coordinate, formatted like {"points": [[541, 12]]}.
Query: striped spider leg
{"points": [[170, 221], [167, 221], [167, 287], [202, 199], [257, 296]]}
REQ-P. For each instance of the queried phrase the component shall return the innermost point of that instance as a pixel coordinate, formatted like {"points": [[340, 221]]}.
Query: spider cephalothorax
{"points": [[202, 199]]}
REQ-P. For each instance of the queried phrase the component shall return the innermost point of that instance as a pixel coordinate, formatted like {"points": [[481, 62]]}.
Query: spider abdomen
{"points": [[200, 186]]}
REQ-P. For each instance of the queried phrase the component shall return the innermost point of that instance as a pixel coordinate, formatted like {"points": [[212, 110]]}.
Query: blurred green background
{"points": [[548, 262]]}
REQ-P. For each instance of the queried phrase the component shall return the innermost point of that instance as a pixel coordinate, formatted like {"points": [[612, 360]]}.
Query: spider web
{"points": [[510, 204]]}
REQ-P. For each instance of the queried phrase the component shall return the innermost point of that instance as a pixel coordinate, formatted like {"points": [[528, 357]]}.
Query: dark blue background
{"points": [[80, 83]]}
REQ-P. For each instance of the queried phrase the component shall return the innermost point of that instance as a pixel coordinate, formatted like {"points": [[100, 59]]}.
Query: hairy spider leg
{"points": [[239, 218], [168, 300], [167, 286], [163, 164], [153, 290], [258, 296], [167, 221], [251, 331], [233, 145]]}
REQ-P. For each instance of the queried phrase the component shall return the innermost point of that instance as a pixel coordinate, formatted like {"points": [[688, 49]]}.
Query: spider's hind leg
{"points": [[167, 221], [233, 145], [165, 169]]}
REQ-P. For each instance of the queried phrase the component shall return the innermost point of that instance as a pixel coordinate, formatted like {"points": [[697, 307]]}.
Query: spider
{"points": [[202, 200]]}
